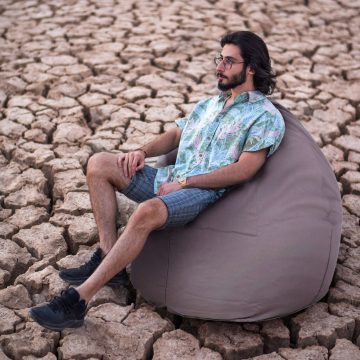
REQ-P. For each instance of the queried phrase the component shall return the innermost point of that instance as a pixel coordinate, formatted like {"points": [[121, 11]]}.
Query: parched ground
{"points": [[79, 77]]}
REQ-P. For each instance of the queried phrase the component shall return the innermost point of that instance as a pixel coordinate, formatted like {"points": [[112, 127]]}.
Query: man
{"points": [[224, 141]]}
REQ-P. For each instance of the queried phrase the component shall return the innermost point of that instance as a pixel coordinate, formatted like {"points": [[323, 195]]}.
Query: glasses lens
{"points": [[218, 59]]}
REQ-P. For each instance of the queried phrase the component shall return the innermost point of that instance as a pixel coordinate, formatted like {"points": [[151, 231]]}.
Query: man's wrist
{"points": [[183, 183], [145, 153]]}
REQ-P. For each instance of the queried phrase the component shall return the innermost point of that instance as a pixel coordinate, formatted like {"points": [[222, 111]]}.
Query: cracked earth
{"points": [[79, 77]]}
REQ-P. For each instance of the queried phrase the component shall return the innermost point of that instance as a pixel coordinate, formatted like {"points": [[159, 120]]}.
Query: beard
{"points": [[234, 81]]}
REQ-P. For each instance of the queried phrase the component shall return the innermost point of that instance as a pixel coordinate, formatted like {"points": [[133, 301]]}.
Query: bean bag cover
{"points": [[265, 250]]}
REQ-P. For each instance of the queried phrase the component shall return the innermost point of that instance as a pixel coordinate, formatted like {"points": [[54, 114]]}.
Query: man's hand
{"points": [[167, 188], [131, 162]]}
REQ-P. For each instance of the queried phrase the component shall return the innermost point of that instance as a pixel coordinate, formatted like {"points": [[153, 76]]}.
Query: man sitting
{"points": [[224, 141]]}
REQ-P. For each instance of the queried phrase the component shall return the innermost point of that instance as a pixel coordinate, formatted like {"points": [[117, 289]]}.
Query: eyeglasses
{"points": [[228, 61]]}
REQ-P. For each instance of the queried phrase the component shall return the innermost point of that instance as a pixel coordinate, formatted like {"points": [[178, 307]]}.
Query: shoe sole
{"points": [[79, 281], [67, 324]]}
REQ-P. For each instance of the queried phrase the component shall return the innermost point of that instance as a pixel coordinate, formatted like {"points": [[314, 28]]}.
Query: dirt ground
{"points": [[80, 77]]}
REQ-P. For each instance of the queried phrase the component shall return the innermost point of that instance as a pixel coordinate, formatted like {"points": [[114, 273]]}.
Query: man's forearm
{"points": [[241, 171], [224, 177], [163, 144]]}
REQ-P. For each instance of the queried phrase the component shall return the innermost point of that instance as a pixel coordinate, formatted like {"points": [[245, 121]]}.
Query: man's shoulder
{"points": [[269, 108], [260, 106]]}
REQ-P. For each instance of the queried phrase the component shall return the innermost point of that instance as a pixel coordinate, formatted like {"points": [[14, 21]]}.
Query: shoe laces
{"points": [[93, 262], [61, 303]]}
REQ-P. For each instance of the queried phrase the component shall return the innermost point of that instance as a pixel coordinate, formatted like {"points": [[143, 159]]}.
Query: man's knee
{"points": [[97, 163], [151, 214]]}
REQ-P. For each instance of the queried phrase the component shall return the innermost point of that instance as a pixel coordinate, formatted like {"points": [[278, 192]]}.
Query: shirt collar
{"points": [[255, 96], [248, 96]]}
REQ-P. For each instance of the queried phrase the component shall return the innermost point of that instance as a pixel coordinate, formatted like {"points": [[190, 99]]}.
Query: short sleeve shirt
{"points": [[213, 137]]}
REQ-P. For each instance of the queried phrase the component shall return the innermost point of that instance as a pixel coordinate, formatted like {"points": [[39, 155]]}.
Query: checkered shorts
{"points": [[183, 205]]}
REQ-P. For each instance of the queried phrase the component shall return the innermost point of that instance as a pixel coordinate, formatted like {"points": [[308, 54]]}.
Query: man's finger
{"points": [[140, 165], [119, 160], [125, 165], [133, 166], [130, 157]]}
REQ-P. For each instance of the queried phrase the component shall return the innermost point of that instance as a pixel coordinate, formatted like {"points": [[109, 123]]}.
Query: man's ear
{"points": [[250, 70]]}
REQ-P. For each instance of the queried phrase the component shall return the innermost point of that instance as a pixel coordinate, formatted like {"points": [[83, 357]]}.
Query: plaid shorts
{"points": [[183, 205]]}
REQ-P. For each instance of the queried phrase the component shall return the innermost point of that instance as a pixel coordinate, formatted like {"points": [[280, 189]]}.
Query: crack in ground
{"points": [[138, 21]]}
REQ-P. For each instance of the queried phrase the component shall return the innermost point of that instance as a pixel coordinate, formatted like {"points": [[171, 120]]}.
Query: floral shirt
{"points": [[213, 137]]}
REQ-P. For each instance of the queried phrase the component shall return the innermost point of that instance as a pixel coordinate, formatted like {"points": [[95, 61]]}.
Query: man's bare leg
{"points": [[69, 309], [103, 175], [150, 215]]}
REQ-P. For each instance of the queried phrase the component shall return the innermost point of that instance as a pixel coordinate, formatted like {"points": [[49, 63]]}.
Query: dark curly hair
{"points": [[256, 55]]}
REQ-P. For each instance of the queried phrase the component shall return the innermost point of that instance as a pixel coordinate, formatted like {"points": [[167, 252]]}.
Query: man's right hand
{"points": [[131, 162]]}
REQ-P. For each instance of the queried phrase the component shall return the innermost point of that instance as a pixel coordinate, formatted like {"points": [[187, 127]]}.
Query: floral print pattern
{"points": [[213, 137]]}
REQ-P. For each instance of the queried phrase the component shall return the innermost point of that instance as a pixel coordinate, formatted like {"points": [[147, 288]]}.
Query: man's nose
{"points": [[221, 66]]}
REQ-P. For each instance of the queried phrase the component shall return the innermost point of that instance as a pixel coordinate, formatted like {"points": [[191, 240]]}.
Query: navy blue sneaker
{"points": [[77, 276], [65, 311]]}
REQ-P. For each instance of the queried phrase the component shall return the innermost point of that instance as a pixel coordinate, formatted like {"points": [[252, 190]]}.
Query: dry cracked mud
{"points": [[80, 77]]}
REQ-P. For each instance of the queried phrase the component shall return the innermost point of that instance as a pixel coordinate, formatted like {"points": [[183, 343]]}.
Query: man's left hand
{"points": [[167, 188]]}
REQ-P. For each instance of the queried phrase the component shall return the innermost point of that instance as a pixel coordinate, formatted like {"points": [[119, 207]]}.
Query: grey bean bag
{"points": [[265, 250]]}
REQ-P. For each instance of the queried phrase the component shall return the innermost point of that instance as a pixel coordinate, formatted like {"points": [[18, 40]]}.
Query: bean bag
{"points": [[265, 250]]}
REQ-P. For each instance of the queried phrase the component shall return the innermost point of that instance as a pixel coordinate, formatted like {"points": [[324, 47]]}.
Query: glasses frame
{"points": [[228, 61]]}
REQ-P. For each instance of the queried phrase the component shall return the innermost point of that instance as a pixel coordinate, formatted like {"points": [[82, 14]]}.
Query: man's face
{"points": [[231, 72]]}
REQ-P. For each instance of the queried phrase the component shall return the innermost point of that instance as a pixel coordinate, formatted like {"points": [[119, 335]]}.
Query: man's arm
{"points": [[164, 143], [135, 160], [243, 170]]}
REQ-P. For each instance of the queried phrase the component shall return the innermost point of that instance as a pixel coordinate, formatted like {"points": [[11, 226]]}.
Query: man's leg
{"points": [[150, 215], [69, 309], [103, 176]]}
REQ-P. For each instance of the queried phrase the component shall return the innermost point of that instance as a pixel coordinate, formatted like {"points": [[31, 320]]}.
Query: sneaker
{"points": [[65, 311], [77, 276]]}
